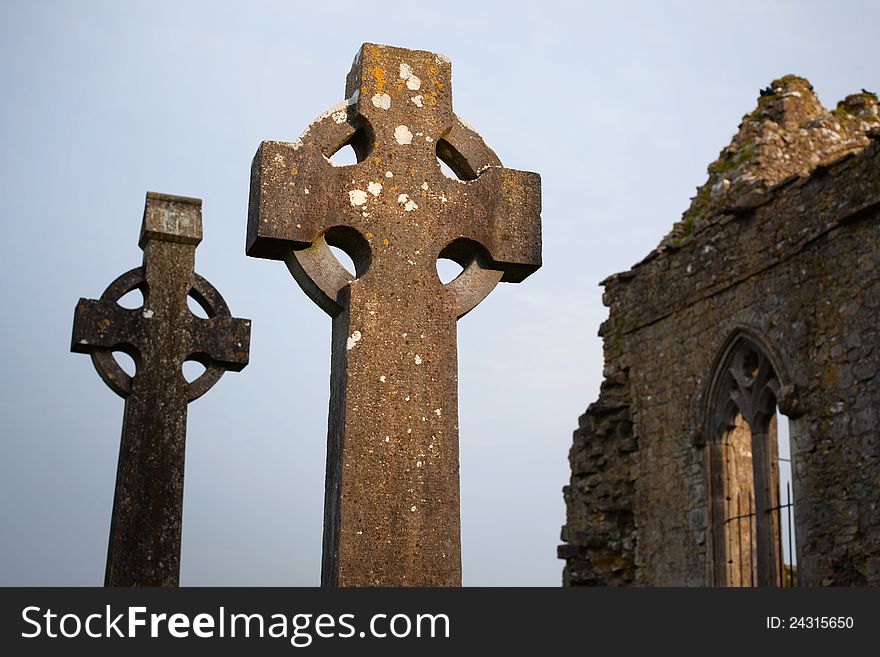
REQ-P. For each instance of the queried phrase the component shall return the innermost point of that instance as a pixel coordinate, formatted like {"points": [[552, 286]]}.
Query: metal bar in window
{"points": [[790, 541], [751, 544], [779, 546]]}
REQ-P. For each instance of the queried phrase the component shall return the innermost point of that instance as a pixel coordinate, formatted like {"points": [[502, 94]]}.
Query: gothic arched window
{"points": [[751, 521]]}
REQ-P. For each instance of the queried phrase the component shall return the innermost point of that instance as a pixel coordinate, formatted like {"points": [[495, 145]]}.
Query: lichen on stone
{"points": [[789, 133]]}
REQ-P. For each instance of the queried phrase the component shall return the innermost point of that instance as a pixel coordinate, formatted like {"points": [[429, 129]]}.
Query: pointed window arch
{"points": [[750, 520]]}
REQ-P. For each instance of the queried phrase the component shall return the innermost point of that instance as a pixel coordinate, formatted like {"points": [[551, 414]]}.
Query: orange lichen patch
{"points": [[434, 77], [377, 160], [368, 234], [385, 241], [294, 170], [412, 170], [379, 75]]}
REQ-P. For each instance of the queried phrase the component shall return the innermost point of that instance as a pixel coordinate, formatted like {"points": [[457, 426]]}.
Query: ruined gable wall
{"points": [[796, 263]]}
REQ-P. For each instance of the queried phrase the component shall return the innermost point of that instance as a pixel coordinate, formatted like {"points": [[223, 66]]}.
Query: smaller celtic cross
{"points": [[147, 508]]}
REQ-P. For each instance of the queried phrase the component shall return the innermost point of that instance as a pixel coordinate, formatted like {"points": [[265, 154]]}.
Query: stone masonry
{"points": [[780, 247]]}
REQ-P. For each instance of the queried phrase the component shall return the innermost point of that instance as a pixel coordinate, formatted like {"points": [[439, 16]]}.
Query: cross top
{"points": [[392, 493], [405, 96], [395, 207], [163, 328]]}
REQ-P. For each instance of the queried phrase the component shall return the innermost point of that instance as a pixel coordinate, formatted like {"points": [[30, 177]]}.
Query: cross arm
{"points": [[503, 214], [221, 341], [296, 193], [103, 325]]}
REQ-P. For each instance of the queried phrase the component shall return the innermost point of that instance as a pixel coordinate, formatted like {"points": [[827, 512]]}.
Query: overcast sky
{"points": [[619, 106]]}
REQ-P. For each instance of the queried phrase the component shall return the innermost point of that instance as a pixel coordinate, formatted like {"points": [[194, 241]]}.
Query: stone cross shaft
{"points": [[392, 488], [147, 508]]}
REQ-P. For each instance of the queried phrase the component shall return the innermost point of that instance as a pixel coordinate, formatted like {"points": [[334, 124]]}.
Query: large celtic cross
{"points": [[392, 489], [148, 505]]}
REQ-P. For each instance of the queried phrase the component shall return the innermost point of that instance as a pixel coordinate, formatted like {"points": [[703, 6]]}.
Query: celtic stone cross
{"points": [[147, 508], [392, 488]]}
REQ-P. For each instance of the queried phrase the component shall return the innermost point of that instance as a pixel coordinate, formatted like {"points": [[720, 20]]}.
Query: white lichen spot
{"points": [[441, 58], [409, 430], [407, 399], [719, 188], [148, 313], [382, 378], [402, 135], [382, 101], [428, 139], [306, 190], [374, 188], [410, 205], [387, 439], [278, 159], [418, 359], [353, 339], [359, 532], [412, 82], [413, 508], [418, 464], [443, 198], [425, 186], [388, 174], [403, 198], [417, 100], [437, 412], [83, 341], [357, 197], [340, 116]]}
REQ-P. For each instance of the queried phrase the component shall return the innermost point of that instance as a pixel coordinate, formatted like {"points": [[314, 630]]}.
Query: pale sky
{"points": [[619, 106]]}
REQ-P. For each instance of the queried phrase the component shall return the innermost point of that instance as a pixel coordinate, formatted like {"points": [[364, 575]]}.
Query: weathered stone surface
{"points": [[787, 136], [392, 493], [160, 335], [786, 254]]}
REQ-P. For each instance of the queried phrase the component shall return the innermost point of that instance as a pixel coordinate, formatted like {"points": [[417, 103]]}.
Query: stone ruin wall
{"points": [[782, 242]]}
